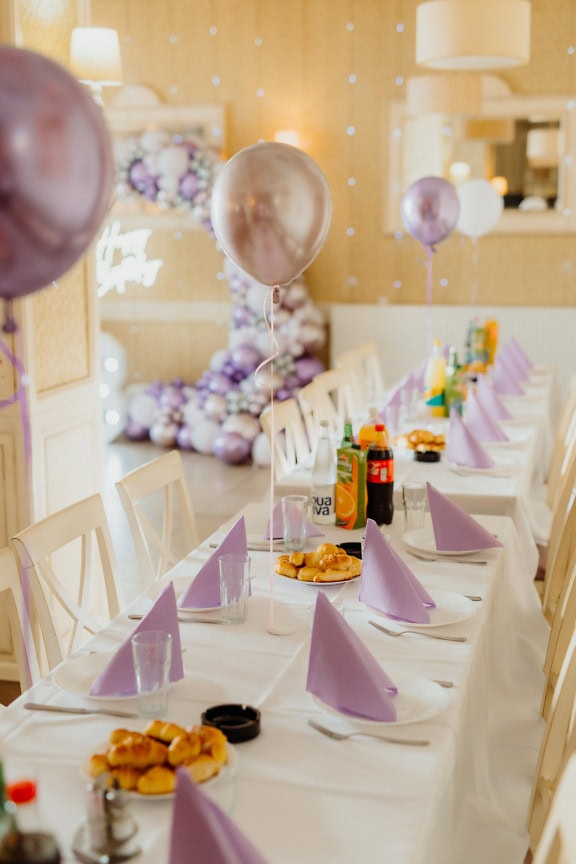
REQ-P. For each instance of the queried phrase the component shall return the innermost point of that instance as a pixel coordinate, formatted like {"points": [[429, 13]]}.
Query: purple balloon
{"points": [[307, 367], [56, 171], [231, 448], [246, 358], [183, 438], [189, 186], [430, 209], [138, 176], [135, 432], [172, 397], [219, 383]]}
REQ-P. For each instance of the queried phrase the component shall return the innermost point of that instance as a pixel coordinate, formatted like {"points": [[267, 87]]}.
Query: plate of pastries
{"points": [[326, 564], [145, 763], [420, 440]]}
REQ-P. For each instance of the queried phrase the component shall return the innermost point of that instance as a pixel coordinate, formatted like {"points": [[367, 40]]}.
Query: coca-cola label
{"points": [[380, 471]]}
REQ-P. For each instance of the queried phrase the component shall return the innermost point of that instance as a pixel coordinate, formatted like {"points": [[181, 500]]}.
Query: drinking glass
{"points": [[234, 586], [152, 655], [414, 497], [294, 518]]}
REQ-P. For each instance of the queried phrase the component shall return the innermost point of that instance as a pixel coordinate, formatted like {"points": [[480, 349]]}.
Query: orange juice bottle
{"points": [[351, 487], [367, 432]]}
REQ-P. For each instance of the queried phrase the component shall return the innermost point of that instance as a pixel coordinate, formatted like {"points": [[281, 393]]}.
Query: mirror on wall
{"points": [[525, 146]]}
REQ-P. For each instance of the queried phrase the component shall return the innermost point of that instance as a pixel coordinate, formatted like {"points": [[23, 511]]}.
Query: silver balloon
{"points": [[271, 211]]}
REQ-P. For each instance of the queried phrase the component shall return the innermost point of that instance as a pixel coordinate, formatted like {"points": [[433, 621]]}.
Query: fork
{"points": [[342, 736], [416, 633]]}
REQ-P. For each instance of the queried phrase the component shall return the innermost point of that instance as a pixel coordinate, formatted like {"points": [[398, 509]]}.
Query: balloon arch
{"points": [[219, 414]]}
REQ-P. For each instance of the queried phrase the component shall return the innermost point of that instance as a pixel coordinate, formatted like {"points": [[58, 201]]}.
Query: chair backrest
{"points": [[331, 396], [18, 612], [69, 562], [558, 842], [364, 363], [563, 442], [557, 745], [561, 539], [285, 431], [563, 626], [316, 405], [157, 503]]}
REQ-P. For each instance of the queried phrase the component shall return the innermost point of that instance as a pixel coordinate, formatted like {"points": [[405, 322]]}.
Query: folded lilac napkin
{"points": [[520, 354], [505, 381], [341, 670], [278, 526], [202, 832], [515, 365], [463, 448], [118, 677], [419, 374], [387, 584], [454, 529], [481, 421], [490, 401], [204, 591]]}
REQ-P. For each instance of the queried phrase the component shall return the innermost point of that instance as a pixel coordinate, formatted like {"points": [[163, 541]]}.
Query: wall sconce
{"points": [[95, 58], [288, 136], [473, 34]]}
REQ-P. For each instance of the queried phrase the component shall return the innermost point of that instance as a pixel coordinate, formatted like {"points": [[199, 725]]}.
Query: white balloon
{"points": [[218, 360], [142, 409], [255, 298], [153, 140], [261, 451], [173, 161], [164, 434], [215, 406], [192, 413], [202, 435], [480, 207], [245, 424]]}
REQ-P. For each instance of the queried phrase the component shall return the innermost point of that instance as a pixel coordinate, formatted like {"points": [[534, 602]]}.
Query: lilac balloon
{"points": [[172, 397], [135, 432], [430, 209], [307, 368], [231, 448], [219, 383], [56, 171], [138, 176], [246, 358], [189, 186], [183, 438]]}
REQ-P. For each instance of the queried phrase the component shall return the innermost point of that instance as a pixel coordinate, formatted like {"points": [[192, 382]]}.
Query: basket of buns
{"points": [[328, 563], [146, 762]]}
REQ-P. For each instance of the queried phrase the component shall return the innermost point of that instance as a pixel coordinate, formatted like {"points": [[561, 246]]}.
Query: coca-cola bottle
{"points": [[380, 478]]}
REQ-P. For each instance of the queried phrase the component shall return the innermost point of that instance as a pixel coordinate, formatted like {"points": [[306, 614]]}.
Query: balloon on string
{"points": [[430, 209], [271, 211], [480, 207], [56, 172]]}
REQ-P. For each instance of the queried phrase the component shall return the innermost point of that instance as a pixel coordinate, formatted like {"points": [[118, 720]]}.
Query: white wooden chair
{"points": [[159, 510], [288, 438], [563, 441], [316, 405], [18, 613], [364, 363], [558, 842], [331, 396], [563, 627], [561, 540], [70, 564]]}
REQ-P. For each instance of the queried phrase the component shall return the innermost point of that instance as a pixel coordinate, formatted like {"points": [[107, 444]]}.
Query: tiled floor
{"points": [[217, 491]]}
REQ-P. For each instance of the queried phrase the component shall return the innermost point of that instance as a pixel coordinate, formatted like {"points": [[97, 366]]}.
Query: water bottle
{"points": [[380, 479], [324, 479]]}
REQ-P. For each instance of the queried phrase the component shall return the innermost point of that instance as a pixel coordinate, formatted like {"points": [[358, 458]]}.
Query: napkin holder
{"points": [[109, 830]]}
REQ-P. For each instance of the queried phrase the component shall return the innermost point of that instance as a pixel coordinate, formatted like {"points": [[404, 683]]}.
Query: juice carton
{"points": [[351, 487]]}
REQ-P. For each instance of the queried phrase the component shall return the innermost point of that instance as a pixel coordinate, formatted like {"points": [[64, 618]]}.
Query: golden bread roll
{"points": [[98, 765], [127, 777], [311, 559], [165, 732], [203, 768], [297, 559], [284, 568], [158, 780], [330, 576], [119, 735], [184, 748], [329, 549], [214, 742], [308, 574], [139, 754], [334, 562]]}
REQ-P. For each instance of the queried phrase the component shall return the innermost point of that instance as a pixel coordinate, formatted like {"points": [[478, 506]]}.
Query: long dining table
{"points": [[298, 795]]}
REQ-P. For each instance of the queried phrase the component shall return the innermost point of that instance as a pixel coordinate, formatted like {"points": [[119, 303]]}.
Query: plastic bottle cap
{"points": [[21, 791], [379, 427]]}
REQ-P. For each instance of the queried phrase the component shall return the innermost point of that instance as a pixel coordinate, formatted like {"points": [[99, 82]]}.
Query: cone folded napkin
{"points": [[204, 592], [505, 381], [341, 670], [463, 447], [490, 401], [454, 529], [387, 584], [520, 354], [278, 525], [481, 421], [118, 677], [514, 363], [202, 832]]}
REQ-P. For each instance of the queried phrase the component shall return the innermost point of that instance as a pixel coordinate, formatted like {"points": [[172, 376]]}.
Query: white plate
{"points": [[423, 540], [78, 674], [223, 776], [181, 583], [507, 470], [324, 584], [417, 699], [449, 609]]}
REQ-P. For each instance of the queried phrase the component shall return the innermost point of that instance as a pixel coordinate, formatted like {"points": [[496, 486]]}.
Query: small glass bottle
{"points": [[348, 436], [324, 479]]}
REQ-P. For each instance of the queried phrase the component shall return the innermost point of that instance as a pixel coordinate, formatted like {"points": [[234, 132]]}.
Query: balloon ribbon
{"points": [[429, 254]]}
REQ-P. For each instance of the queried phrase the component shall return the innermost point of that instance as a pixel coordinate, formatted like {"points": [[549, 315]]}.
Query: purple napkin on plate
{"points": [[490, 401], [204, 591], [387, 584], [481, 421], [520, 354], [505, 382], [202, 832], [118, 677], [341, 670], [517, 368], [463, 447], [278, 526], [454, 529]]}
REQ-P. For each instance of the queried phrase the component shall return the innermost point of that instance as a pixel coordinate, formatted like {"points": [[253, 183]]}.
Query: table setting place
{"points": [[383, 668]]}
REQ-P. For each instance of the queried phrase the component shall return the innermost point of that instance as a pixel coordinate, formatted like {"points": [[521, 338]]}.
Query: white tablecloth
{"points": [[301, 797]]}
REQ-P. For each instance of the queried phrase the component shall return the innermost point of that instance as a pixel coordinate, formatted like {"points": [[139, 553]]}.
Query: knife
{"points": [[59, 709], [185, 619]]}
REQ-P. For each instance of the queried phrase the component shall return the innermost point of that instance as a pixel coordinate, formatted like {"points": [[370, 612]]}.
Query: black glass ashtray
{"points": [[427, 455], [237, 722], [354, 549]]}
